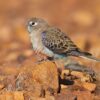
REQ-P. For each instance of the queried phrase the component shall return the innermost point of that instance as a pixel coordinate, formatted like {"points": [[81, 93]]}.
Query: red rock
{"points": [[89, 86]]}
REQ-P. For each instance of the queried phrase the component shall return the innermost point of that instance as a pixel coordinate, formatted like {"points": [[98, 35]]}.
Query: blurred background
{"points": [[80, 19]]}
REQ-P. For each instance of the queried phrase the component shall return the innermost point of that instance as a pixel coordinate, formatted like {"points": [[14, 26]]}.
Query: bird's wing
{"points": [[57, 41]]}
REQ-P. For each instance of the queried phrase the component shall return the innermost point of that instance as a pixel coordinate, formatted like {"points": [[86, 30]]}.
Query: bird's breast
{"points": [[36, 41], [38, 46]]}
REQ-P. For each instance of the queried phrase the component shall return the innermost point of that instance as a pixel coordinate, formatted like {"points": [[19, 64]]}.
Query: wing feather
{"points": [[57, 41]]}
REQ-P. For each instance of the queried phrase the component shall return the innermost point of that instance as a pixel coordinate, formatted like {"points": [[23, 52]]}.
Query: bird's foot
{"points": [[44, 60]]}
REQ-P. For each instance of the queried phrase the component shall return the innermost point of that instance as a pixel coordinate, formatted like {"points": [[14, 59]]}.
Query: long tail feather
{"points": [[84, 55]]}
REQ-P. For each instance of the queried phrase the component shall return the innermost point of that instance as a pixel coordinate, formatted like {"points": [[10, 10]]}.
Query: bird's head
{"points": [[35, 24]]}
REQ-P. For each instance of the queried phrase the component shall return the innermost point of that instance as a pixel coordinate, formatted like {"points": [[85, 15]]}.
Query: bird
{"points": [[52, 42]]}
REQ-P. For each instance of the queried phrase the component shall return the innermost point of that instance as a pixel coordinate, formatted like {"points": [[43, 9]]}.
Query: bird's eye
{"points": [[33, 23]]}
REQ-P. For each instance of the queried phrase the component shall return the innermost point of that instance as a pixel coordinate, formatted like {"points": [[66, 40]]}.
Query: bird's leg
{"points": [[38, 57], [41, 57], [59, 65]]}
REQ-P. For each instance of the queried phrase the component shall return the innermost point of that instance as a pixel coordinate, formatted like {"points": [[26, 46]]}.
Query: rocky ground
{"points": [[23, 77]]}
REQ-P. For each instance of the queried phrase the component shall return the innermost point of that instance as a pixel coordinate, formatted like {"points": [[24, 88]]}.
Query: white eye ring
{"points": [[33, 23]]}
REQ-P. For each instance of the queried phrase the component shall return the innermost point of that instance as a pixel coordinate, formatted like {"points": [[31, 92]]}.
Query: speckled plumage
{"points": [[52, 41], [57, 41]]}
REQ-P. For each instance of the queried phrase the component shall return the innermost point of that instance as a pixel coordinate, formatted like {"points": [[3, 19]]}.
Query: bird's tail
{"points": [[83, 55]]}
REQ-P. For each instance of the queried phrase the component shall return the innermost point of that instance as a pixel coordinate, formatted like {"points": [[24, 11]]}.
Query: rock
{"points": [[18, 95], [12, 96], [68, 74], [46, 75], [77, 74], [64, 86], [84, 95], [38, 79], [76, 95], [83, 77], [89, 86], [64, 73], [65, 97], [1, 86]]}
